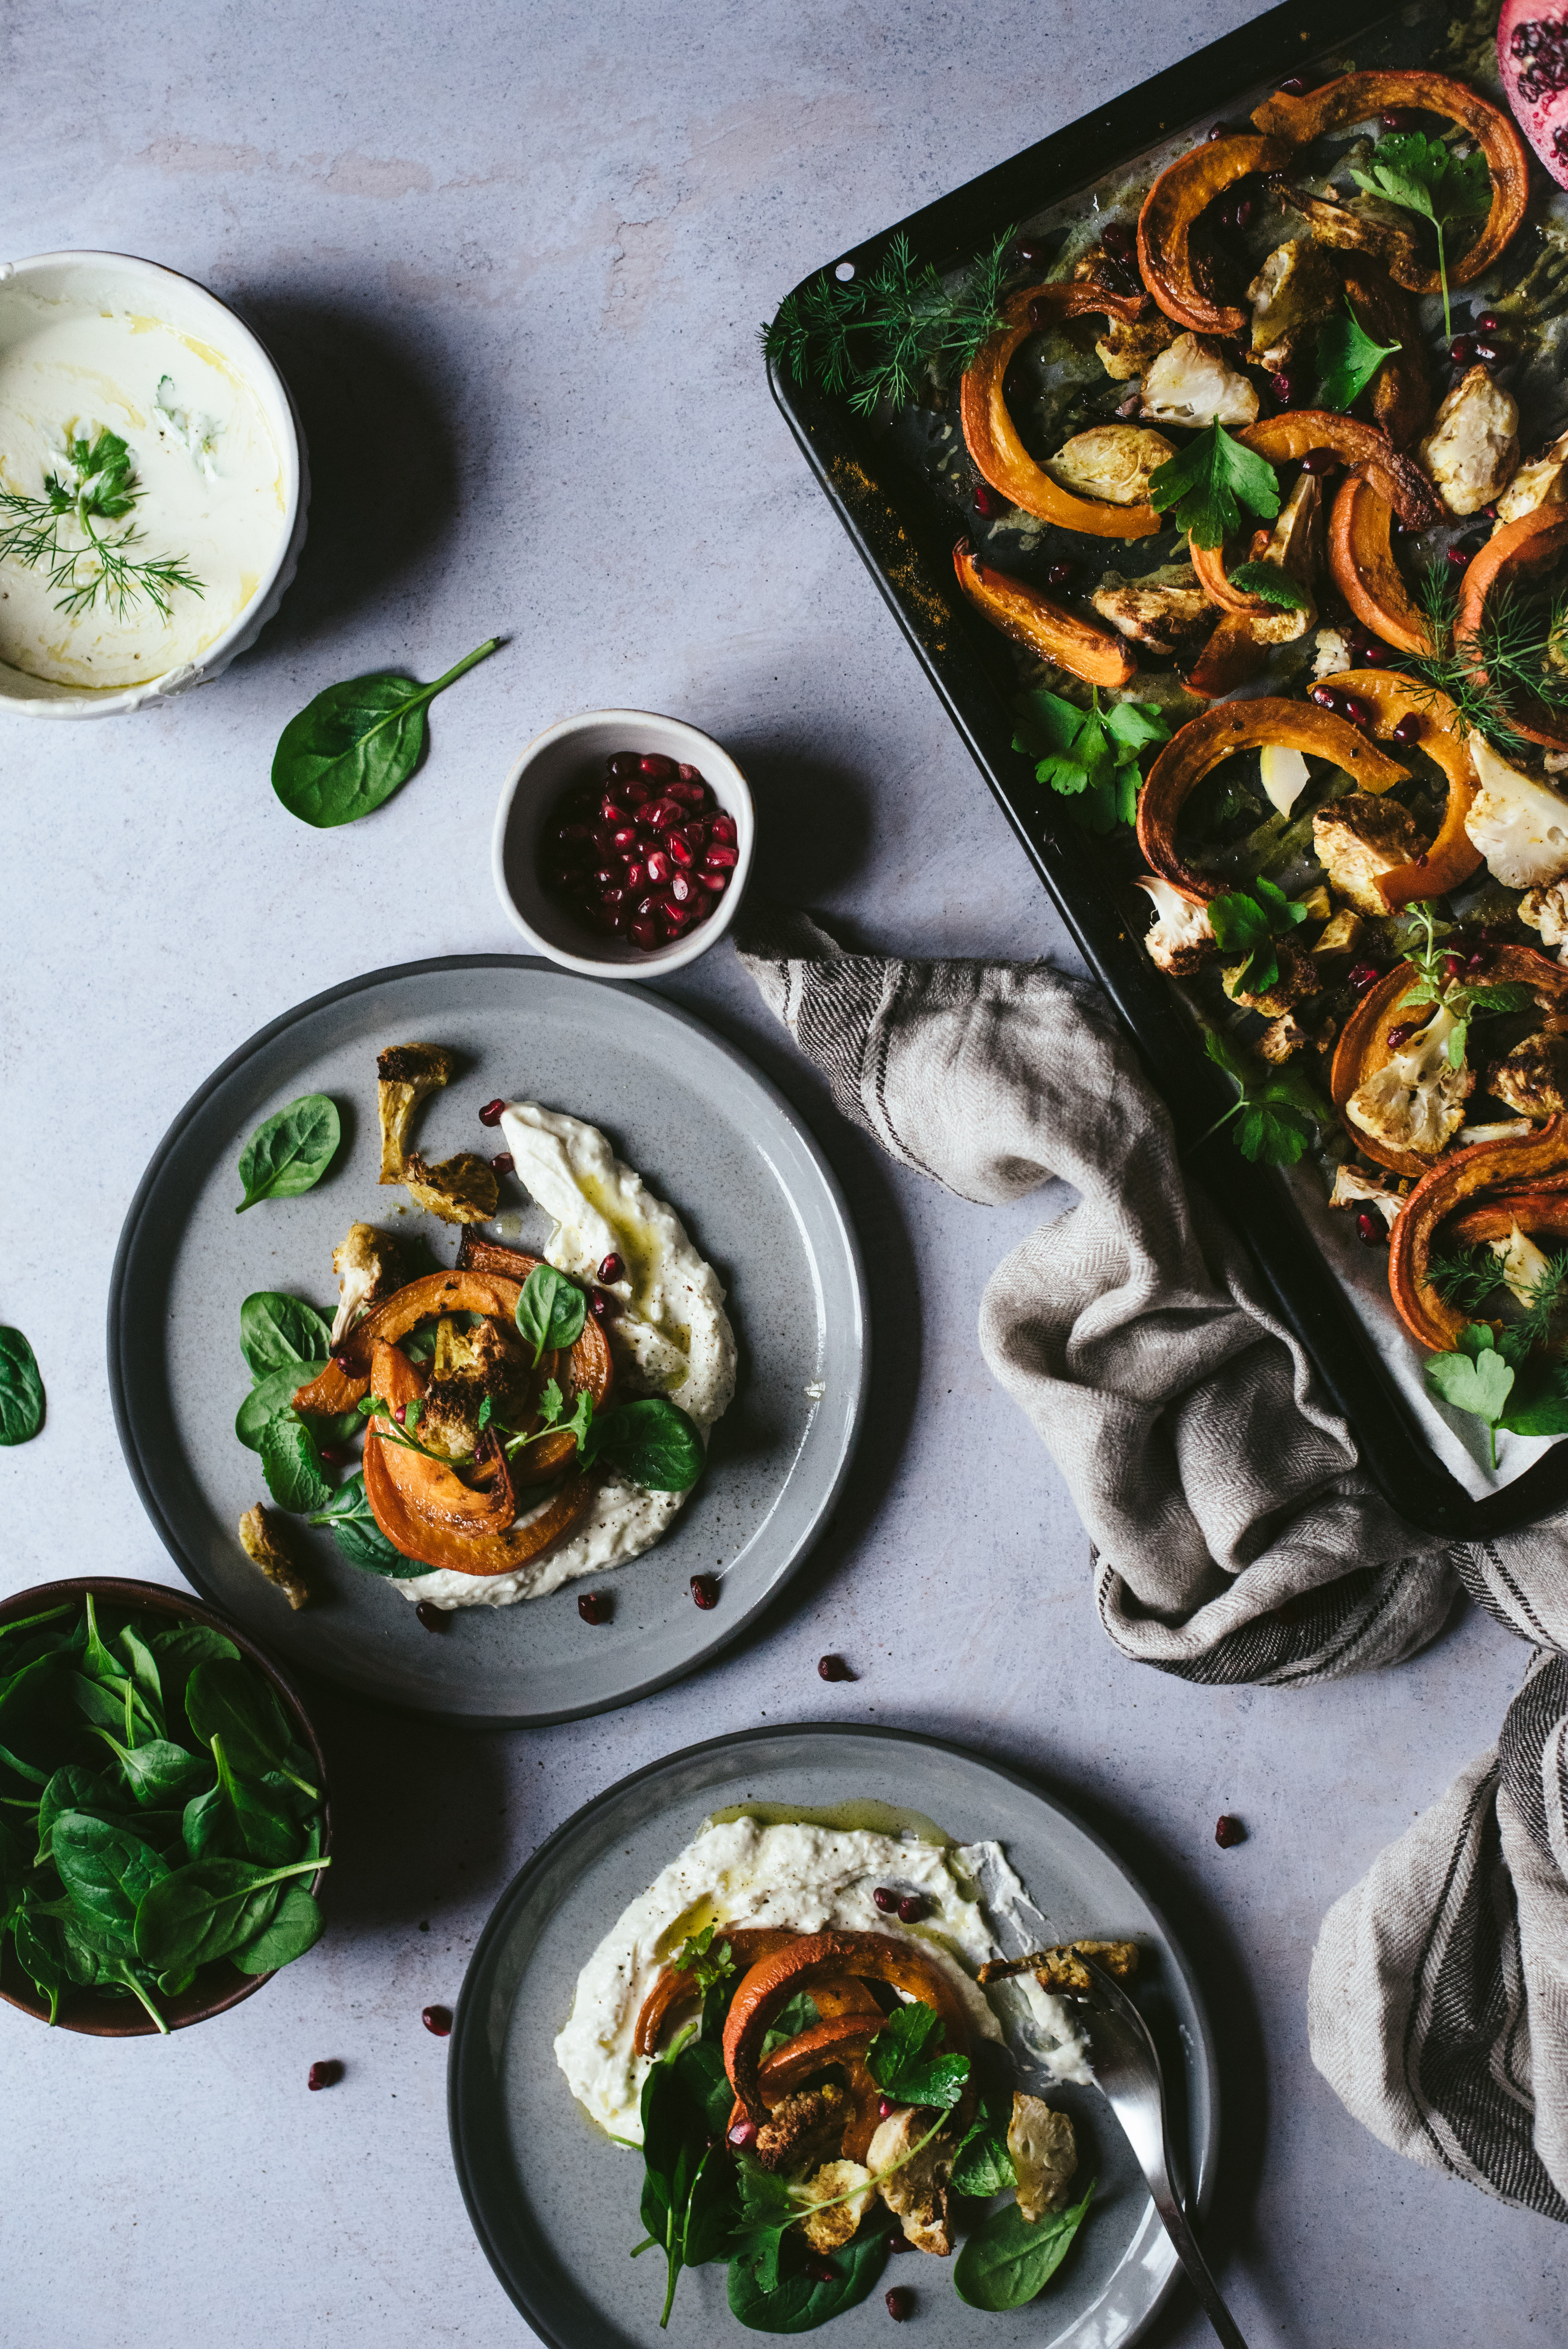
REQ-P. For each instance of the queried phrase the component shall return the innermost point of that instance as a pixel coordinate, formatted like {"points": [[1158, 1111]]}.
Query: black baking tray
{"points": [[904, 536]]}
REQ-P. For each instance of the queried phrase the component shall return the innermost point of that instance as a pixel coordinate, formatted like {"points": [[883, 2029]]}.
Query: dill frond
{"points": [[1515, 656], [99, 568], [876, 339], [1464, 1277]]}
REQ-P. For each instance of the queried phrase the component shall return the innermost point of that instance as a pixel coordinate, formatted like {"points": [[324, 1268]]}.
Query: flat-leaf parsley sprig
{"points": [[1347, 360], [1449, 989], [1421, 174], [94, 481], [1090, 756], [1252, 921], [1277, 1108], [1203, 490], [877, 337]]}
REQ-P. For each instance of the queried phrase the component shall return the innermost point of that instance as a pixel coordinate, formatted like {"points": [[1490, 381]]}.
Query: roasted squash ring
{"points": [[1361, 558], [1284, 437], [873, 1957], [842, 2040], [1208, 563], [1204, 741], [1455, 1181], [1358, 96], [1532, 543], [1452, 856], [992, 437], [747, 1943], [1097, 654], [1172, 210]]}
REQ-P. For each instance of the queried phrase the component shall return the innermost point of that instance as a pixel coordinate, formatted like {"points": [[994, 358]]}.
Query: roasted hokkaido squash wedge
{"points": [[1361, 557], [1049, 629], [842, 2040], [1532, 543], [1204, 741], [1534, 1210], [1358, 96], [431, 1488], [1457, 1182], [993, 438], [747, 1943], [1287, 436], [1208, 562], [870, 1957], [394, 1502], [1172, 210], [1454, 857]]}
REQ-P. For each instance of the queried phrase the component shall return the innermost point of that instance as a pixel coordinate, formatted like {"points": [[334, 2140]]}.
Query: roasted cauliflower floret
{"points": [[469, 1365], [1191, 384], [1283, 1038], [1519, 825], [1522, 1266], [368, 1268], [1546, 910], [1352, 1188], [1417, 1100], [263, 1539], [1062, 1968], [1472, 449], [1542, 483], [1359, 837], [1045, 2155], [1183, 938], [1351, 228], [1299, 976], [1165, 609], [1296, 288], [1534, 1077], [406, 1073], [461, 1190], [1112, 461], [1127, 348], [1330, 655], [804, 2130], [1341, 936], [916, 2194], [825, 2230], [1296, 544]]}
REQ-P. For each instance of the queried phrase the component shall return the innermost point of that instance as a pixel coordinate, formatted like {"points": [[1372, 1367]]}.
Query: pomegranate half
{"points": [[1532, 59]]}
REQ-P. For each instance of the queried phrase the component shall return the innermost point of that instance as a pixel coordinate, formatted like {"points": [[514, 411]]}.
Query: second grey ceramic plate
{"points": [[554, 2201], [708, 1134]]}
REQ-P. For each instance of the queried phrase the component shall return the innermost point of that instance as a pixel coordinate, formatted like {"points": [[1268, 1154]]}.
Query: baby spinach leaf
{"points": [[234, 1820], [699, 2068], [351, 748], [21, 1388], [106, 1869], [360, 1538], [204, 1910], [24, 1770], [790, 2021], [76, 1787], [96, 1661], [36, 1940], [179, 1652], [100, 1702], [1009, 2260], [551, 1311], [290, 1151], [158, 1771], [983, 2165], [674, 2147], [650, 1442], [296, 1926], [279, 1333], [898, 2061], [232, 1702], [292, 1465], [143, 1673], [798, 2303]]}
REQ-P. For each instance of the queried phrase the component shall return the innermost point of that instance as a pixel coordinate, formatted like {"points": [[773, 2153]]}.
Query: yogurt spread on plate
{"points": [[805, 1877], [208, 490], [668, 1335]]}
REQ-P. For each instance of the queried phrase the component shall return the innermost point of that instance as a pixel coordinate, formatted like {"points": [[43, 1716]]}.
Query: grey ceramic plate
{"points": [[708, 1134], [554, 2202]]}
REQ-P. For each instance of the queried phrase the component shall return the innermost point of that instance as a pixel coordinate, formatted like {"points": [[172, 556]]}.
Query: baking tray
{"points": [[903, 535]]}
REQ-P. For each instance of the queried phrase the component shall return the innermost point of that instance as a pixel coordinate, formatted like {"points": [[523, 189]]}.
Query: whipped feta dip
{"points": [[669, 1335], [208, 472], [806, 1878]]}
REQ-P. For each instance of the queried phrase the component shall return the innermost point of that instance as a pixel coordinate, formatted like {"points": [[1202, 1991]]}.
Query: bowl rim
{"points": [[81, 701], [680, 952], [86, 2010]]}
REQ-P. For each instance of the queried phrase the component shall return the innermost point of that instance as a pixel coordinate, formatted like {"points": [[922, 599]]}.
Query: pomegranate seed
{"points": [[1368, 1228], [637, 794], [1488, 323], [656, 767], [1476, 962], [623, 837], [1398, 118], [1293, 87], [611, 812], [721, 857], [325, 2076], [1408, 732], [678, 849], [1059, 574], [492, 1112], [625, 763], [1420, 859], [910, 1910], [1365, 975], [1453, 965], [899, 2303], [636, 876], [1227, 1831], [719, 880], [1321, 461], [722, 827], [333, 1455], [984, 501], [399, 1412], [898, 2240], [1118, 238], [1280, 385], [689, 794], [1356, 712], [437, 2019], [886, 1898], [705, 1589], [1400, 1035], [572, 835], [833, 1667], [682, 888], [1491, 355], [503, 1162], [821, 2271], [1376, 655], [1220, 130], [344, 1362], [644, 933], [1458, 558], [611, 1269], [1461, 350], [1243, 215], [599, 1306], [433, 1617], [658, 867], [743, 2136], [595, 1607], [689, 774]]}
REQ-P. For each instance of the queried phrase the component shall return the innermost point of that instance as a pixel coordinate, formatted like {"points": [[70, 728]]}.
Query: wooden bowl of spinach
{"points": [[163, 1816]]}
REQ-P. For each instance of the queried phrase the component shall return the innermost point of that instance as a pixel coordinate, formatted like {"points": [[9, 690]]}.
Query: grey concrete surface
{"points": [[513, 259]]}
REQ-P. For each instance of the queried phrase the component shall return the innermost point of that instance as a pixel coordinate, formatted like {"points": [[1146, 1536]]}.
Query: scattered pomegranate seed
{"points": [[333, 1455], [325, 2076], [1326, 695], [611, 1269], [1293, 87], [705, 1589], [1119, 238], [1453, 965], [898, 2240], [1407, 733], [885, 2106], [743, 2136], [1420, 859], [1321, 461], [490, 1113], [886, 1898], [1476, 962], [911, 1909], [1368, 1228], [833, 1667], [434, 1619], [1281, 386], [1488, 323], [504, 1163], [1461, 350], [1227, 1831], [900, 2303], [1220, 130], [1365, 975], [595, 1607], [1400, 1035], [399, 1411], [437, 2019], [1458, 558], [1059, 574], [599, 1306], [821, 2271], [1398, 118]]}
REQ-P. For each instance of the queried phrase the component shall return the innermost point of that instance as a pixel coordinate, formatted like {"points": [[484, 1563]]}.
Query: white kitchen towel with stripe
{"points": [[1235, 1535]]}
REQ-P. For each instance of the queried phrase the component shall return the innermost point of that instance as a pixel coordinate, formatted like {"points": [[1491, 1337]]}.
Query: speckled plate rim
{"points": [[481, 2020], [716, 1637]]}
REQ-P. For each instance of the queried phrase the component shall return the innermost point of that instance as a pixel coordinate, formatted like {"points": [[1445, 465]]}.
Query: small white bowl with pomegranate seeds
{"points": [[623, 842]]}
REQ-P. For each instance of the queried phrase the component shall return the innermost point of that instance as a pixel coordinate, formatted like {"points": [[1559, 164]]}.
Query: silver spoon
{"points": [[1127, 2072]]}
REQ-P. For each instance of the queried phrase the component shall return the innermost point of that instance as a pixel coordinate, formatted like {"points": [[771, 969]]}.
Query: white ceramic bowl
{"points": [[575, 750], [119, 283]]}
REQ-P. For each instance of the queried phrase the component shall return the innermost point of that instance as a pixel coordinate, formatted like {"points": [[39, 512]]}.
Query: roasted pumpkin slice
{"points": [[396, 1500], [1361, 557], [1359, 96], [431, 1488], [675, 1987], [870, 1957], [992, 437], [1402, 388], [1394, 700], [1204, 741], [1532, 543], [1049, 629], [1289, 436], [1171, 211], [1462, 1180]]}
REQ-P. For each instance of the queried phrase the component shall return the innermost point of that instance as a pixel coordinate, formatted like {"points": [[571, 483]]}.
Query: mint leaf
{"points": [[898, 2062], [1347, 360], [1204, 489]]}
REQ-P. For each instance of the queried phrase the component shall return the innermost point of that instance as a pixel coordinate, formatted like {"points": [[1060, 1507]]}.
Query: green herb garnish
{"points": [[1421, 174], [1090, 756], [1203, 490], [878, 338], [1347, 360], [94, 481], [707, 1966], [351, 748], [1278, 1108], [1462, 998], [1273, 583], [1248, 921], [1512, 656]]}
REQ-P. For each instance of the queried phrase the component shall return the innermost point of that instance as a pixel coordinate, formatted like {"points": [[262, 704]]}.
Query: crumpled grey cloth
{"points": [[1235, 1535]]}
